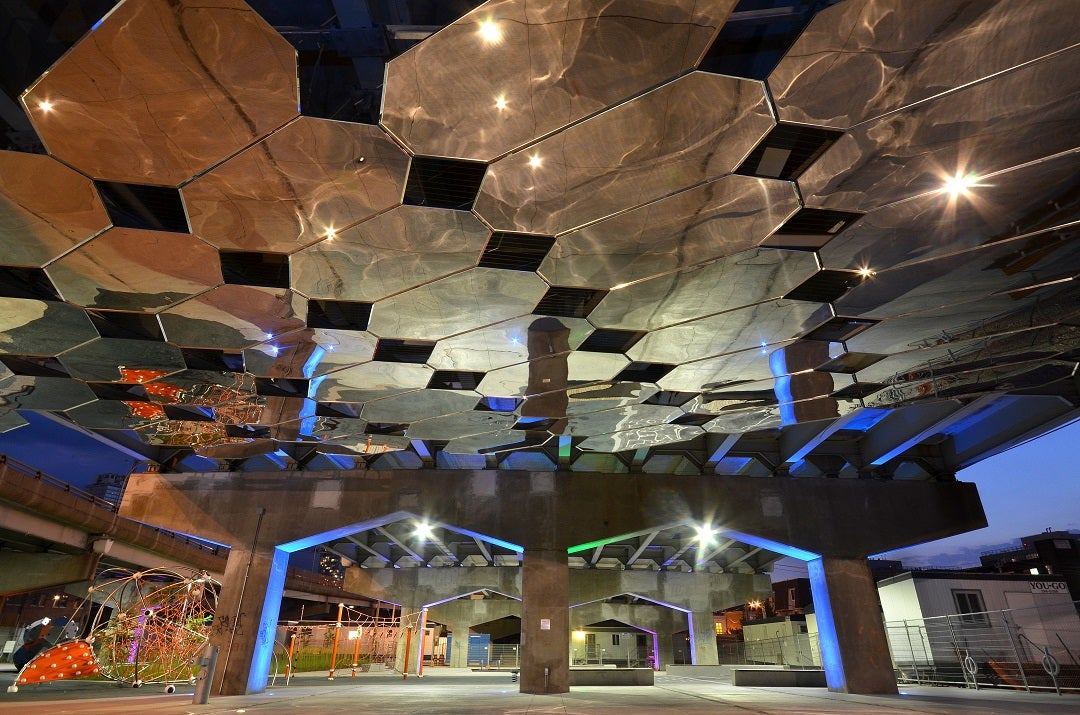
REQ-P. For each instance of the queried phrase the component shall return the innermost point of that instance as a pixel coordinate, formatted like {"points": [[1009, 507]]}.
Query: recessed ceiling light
{"points": [[535, 161], [490, 32], [500, 102], [45, 106], [960, 184]]}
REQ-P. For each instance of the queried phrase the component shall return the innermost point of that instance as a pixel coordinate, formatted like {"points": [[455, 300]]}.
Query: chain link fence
{"points": [[1026, 649]]}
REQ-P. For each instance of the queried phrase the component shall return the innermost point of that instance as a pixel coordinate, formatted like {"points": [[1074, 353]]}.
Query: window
{"points": [[614, 639], [590, 639], [969, 604], [641, 642]]}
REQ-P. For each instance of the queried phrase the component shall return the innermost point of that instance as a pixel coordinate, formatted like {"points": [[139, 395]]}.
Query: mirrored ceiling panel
{"points": [[552, 373], [458, 303], [903, 52], [233, 317], [696, 128], [304, 183], [38, 327], [739, 280], [718, 372], [621, 419], [709, 221], [401, 249], [21, 392], [309, 353], [154, 95], [917, 151], [640, 438], [497, 441], [514, 70], [117, 360], [1030, 198], [1006, 266], [499, 345], [45, 209], [418, 405], [126, 269], [461, 424], [10, 420], [756, 326], [371, 381], [586, 399]]}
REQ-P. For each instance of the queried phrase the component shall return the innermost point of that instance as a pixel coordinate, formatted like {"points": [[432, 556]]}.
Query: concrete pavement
{"points": [[461, 692]]}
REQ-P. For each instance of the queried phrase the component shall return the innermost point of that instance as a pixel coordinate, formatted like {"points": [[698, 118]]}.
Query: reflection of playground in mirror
{"points": [[140, 627]]}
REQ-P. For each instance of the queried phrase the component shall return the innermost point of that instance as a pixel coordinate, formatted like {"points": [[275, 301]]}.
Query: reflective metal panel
{"points": [[499, 440], [864, 58], [128, 269], [309, 353], [154, 94], [709, 221], [496, 346], [233, 317], [743, 279], [734, 421], [458, 303], [758, 325], [37, 327], [371, 381], [45, 209], [513, 381], [717, 372], [1004, 266], [915, 151], [462, 424], [641, 438], [607, 396], [315, 177], [116, 360], [1009, 204], [401, 249], [418, 405], [10, 420], [696, 128], [514, 70], [19, 392], [619, 419]]}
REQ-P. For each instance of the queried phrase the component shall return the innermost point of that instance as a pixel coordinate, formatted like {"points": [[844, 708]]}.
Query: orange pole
{"points": [[356, 650], [408, 646], [423, 629], [292, 648], [337, 633]]}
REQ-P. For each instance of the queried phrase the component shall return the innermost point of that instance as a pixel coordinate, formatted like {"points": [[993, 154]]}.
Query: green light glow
{"points": [[593, 545]]}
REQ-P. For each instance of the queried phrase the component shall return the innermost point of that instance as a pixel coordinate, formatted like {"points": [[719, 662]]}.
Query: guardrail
{"points": [[14, 465]]}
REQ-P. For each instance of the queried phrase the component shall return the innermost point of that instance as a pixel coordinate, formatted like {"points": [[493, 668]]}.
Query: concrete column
{"points": [[854, 648], [703, 639], [666, 647], [459, 645], [246, 617], [545, 621], [404, 640]]}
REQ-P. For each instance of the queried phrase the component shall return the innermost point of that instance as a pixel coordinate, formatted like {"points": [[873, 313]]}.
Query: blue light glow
{"points": [[770, 545], [830, 644], [264, 642]]}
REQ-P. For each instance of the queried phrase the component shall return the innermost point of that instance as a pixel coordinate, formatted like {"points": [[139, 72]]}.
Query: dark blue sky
{"points": [[1024, 491]]}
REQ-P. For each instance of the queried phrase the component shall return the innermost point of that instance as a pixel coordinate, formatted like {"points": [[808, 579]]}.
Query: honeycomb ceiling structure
{"points": [[575, 239]]}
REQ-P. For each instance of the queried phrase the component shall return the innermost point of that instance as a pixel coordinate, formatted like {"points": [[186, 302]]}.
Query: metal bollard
{"points": [[205, 678], [513, 676]]}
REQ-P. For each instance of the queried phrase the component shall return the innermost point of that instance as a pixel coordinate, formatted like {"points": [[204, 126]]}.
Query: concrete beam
{"points": [[845, 518], [22, 572]]}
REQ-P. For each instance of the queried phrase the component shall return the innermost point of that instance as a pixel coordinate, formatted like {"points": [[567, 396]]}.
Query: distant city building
{"points": [[1054, 553], [109, 487]]}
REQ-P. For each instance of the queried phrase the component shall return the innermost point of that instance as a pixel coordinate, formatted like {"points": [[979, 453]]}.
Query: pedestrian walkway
{"points": [[445, 691]]}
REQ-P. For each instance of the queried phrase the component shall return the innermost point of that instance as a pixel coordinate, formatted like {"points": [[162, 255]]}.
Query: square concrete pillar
{"points": [[854, 647], [703, 639], [459, 646], [246, 619], [545, 621]]}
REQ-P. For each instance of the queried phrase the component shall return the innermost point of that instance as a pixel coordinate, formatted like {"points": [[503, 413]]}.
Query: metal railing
{"points": [[800, 650], [14, 465], [1025, 649]]}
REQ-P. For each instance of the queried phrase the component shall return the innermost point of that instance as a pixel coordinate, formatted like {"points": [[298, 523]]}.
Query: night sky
{"points": [[1024, 491]]}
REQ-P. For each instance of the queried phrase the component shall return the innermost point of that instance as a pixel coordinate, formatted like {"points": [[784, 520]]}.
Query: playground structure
{"points": [[355, 642], [142, 627]]}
